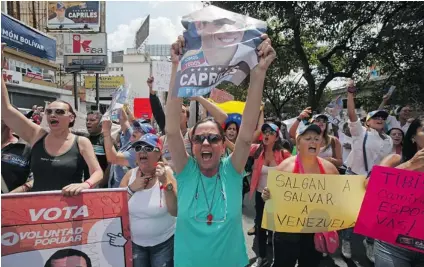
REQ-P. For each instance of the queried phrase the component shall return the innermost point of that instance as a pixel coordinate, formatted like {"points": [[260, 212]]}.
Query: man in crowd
{"points": [[15, 160], [94, 128]]}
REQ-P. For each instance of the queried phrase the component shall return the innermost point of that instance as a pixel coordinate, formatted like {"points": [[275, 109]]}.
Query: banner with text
{"points": [[161, 71], [40, 228], [219, 46], [312, 203], [220, 96], [393, 208], [73, 14], [105, 82]]}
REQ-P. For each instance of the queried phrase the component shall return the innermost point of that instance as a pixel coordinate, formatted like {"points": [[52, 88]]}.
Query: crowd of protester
{"points": [[186, 187]]}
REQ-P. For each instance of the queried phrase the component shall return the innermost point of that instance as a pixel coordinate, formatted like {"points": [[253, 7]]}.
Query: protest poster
{"points": [[219, 46], [220, 96], [142, 108], [161, 71], [42, 227], [393, 208], [119, 99], [312, 203]]}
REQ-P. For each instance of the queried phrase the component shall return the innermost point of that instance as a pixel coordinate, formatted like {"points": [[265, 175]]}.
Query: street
{"points": [[358, 250]]}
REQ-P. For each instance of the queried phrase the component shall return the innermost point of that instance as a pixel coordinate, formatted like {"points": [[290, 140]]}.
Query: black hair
{"points": [[399, 129], [69, 252], [278, 145], [71, 110], [409, 148], [228, 124], [97, 113], [205, 120]]}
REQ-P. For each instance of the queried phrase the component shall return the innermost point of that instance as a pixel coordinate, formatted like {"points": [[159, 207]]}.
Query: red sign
{"points": [[39, 226], [142, 108], [220, 96], [393, 208]]}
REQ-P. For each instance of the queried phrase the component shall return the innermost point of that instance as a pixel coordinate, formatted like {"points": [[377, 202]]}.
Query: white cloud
{"points": [[164, 29]]}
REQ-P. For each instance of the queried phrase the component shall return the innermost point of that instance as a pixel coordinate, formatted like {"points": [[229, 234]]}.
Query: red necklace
{"points": [[209, 217]]}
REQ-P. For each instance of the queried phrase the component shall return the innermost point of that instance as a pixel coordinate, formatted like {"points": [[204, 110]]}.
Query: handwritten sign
{"points": [[38, 228], [393, 208], [220, 96], [312, 203], [161, 71], [142, 108]]}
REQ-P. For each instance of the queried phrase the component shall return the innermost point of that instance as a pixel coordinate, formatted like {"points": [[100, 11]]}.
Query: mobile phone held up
{"points": [[391, 90]]}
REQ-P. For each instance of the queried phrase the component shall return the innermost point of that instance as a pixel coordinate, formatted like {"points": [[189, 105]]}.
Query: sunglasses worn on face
{"points": [[270, 132], [321, 120], [56, 111], [212, 138], [145, 148]]}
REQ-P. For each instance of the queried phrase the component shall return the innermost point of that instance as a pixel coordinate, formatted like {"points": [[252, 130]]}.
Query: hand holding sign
{"points": [[266, 54], [117, 240]]}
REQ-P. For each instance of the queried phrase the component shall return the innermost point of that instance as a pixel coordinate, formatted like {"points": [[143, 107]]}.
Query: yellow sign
{"points": [[312, 203], [105, 82]]}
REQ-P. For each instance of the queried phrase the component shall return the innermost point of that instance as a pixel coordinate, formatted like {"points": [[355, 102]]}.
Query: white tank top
{"points": [[326, 152], [150, 222], [263, 178]]}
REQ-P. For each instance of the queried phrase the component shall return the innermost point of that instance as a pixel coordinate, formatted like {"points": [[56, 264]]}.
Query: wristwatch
{"points": [[169, 187]]}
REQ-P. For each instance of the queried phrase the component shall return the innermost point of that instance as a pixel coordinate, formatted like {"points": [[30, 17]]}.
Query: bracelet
{"points": [[298, 119], [129, 190], [90, 184], [26, 187]]}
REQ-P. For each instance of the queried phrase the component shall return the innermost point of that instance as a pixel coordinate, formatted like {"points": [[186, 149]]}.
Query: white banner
{"points": [[161, 71]]}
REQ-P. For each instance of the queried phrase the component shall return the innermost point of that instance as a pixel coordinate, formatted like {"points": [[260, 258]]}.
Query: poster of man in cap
{"points": [[219, 46], [73, 14]]}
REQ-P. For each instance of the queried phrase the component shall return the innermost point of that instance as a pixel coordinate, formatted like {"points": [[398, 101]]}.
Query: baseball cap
{"points": [[305, 128], [144, 127], [60, 5], [149, 139], [270, 125], [377, 113], [234, 117]]}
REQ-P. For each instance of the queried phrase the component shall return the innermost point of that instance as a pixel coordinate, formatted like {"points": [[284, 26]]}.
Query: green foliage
{"points": [[325, 40]]}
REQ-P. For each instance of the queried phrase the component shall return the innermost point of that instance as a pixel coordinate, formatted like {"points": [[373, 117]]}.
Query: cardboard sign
{"points": [[142, 108], [393, 208], [312, 203], [38, 228], [220, 96], [219, 46], [161, 71]]}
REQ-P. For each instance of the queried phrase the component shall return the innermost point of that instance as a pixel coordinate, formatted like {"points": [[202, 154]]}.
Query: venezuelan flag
{"points": [[234, 110]]}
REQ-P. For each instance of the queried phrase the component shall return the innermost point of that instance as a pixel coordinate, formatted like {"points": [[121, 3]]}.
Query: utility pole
{"points": [[97, 93], [75, 90]]}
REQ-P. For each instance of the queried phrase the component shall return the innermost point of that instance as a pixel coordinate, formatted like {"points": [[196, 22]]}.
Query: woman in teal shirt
{"points": [[209, 229]]}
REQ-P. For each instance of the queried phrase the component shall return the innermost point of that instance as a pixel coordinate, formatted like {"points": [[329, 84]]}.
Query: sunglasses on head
{"points": [[56, 111], [269, 131], [212, 138], [145, 148]]}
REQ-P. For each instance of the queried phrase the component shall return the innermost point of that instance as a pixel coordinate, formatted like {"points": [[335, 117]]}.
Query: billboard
{"points": [[85, 63], [47, 229], [105, 82], [18, 35], [84, 44], [73, 15], [118, 56], [142, 33], [12, 77]]}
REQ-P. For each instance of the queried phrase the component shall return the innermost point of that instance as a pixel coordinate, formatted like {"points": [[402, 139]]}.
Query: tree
{"points": [[326, 40]]}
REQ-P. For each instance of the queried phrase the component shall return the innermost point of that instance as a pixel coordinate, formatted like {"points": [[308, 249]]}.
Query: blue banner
{"points": [[22, 37], [219, 46]]}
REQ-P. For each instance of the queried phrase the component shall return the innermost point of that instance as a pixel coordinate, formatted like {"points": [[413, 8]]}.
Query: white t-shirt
{"points": [[150, 222], [392, 122], [344, 139], [376, 148], [65, 21]]}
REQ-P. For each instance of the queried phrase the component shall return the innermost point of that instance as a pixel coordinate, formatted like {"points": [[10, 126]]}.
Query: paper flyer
{"points": [[219, 46]]}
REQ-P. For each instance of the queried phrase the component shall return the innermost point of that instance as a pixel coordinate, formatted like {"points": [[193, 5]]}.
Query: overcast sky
{"points": [[124, 18]]}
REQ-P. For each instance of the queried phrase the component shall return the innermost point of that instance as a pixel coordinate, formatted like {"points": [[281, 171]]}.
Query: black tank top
{"points": [[54, 173]]}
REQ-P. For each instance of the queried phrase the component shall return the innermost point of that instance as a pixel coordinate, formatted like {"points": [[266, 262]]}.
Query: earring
{"points": [[413, 140]]}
